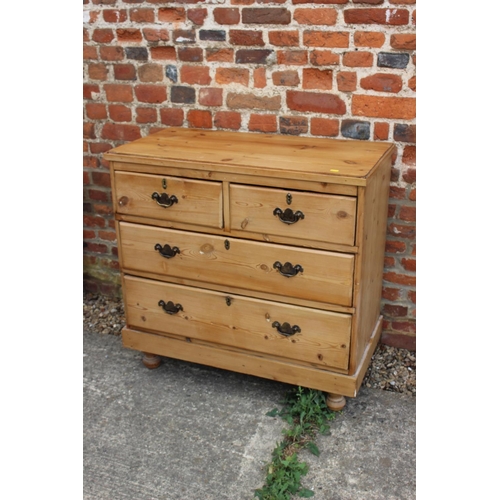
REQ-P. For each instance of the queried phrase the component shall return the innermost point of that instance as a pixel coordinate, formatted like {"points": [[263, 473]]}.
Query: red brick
{"points": [[347, 81], [391, 293], [402, 231], [324, 2], [409, 157], [262, 123], [103, 35], [89, 53], [371, 2], [118, 93], [358, 59], [399, 341], [316, 17], [120, 113], [100, 178], [124, 72], [292, 57], [409, 264], [172, 15], [142, 15], [195, 75], [404, 41], [98, 195], [264, 15], [190, 54], [114, 15], [146, 115], [323, 58], [100, 147], [413, 195], [155, 35], [313, 78], [129, 35], [120, 132], [394, 17], [381, 131], [96, 111], [107, 235], [382, 82], [219, 55], [383, 107], [173, 117], [284, 38], [259, 78], [151, 93], [315, 38], [210, 97], [226, 16], [372, 39], [293, 125], [150, 73], [93, 221], [225, 76], [251, 101], [90, 91], [286, 78], [199, 119], [97, 71], [163, 53], [412, 83], [400, 279], [402, 2], [197, 16], [412, 296], [325, 127], [395, 311], [315, 102], [111, 53], [246, 37], [96, 247], [228, 119]]}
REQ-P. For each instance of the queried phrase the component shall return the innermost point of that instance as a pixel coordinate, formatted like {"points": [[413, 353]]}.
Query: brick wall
{"points": [[327, 68]]}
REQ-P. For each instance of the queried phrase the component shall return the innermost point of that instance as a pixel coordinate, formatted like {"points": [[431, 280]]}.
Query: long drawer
{"points": [[296, 214], [169, 198], [279, 269], [298, 333]]}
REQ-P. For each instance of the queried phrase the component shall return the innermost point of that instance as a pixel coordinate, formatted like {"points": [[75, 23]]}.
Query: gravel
{"points": [[391, 369]]}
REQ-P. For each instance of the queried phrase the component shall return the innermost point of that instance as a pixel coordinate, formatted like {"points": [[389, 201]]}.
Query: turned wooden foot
{"points": [[335, 402], [151, 361]]}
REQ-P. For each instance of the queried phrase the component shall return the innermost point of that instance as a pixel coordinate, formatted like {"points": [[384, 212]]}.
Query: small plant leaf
{"points": [[312, 447], [305, 493], [272, 413]]}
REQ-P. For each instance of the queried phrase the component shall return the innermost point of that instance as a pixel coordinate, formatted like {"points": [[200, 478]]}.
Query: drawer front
{"points": [[323, 276], [304, 216], [307, 335], [178, 200]]}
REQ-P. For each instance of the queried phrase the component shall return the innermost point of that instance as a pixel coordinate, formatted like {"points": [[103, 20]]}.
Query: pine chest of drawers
{"points": [[261, 254]]}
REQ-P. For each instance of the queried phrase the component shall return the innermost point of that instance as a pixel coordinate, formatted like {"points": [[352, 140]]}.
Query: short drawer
{"points": [[169, 198], [296, 214], [314, 274], [298, 333]]}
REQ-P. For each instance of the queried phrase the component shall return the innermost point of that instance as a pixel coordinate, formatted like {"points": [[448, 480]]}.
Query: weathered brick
{"points": [[402, 231], [395, 246], [197, 16], [324, 2], [225, 76], [199, 118], [287, 78], [228, 119], [120, 113], [103, 35], [253, 56], [124, 72], [259, 78], [120, 132], [171, 72], [409, 158], [111, 53], [172, 117], [393, 60], [313, 78], [265, 15], [213, 35], [293, 125], [118, 93], [412, 83], [372, 39], [324, 126], [355, 129], [151, 93], [150, 73], [172, 15], [210, 97], [89, 53], [137, 53], [408, 214], [315, 102], [360, 59], [246, 37], [196, 75], [96, 111], [114, 15], [184, 95], [190, 54], [383, 107], [99, 147], [314, 38], [251, 101], [184, 36], [146, 115], [284, 38], [400, 279], [91, 91], [394, 17], [129, 35], [381, 131], [347, 81], [262, 123], [395, 311], [97, 71], [404, 41], [405, 133], [219, 54], [382, 82], [316, 17], [292, 57], [163, 53], [391, 293], [155, 35], [226, 15], [142, 15], [323, 58]]}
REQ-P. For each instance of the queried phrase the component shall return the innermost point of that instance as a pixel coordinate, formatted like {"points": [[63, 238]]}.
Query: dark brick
{"points": [[393, 60], [405, 133], [184, 36], [137, 53], [264, 15], [186, 95], [253, 56], [171, 72], [293, 125], [355, 129], [213, 35]]}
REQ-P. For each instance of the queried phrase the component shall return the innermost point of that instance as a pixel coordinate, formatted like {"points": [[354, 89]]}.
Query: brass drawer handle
{"points": [[285, 328], [288, 217], [169, 307], [167, 251], [287, 269], [164, 200]]}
